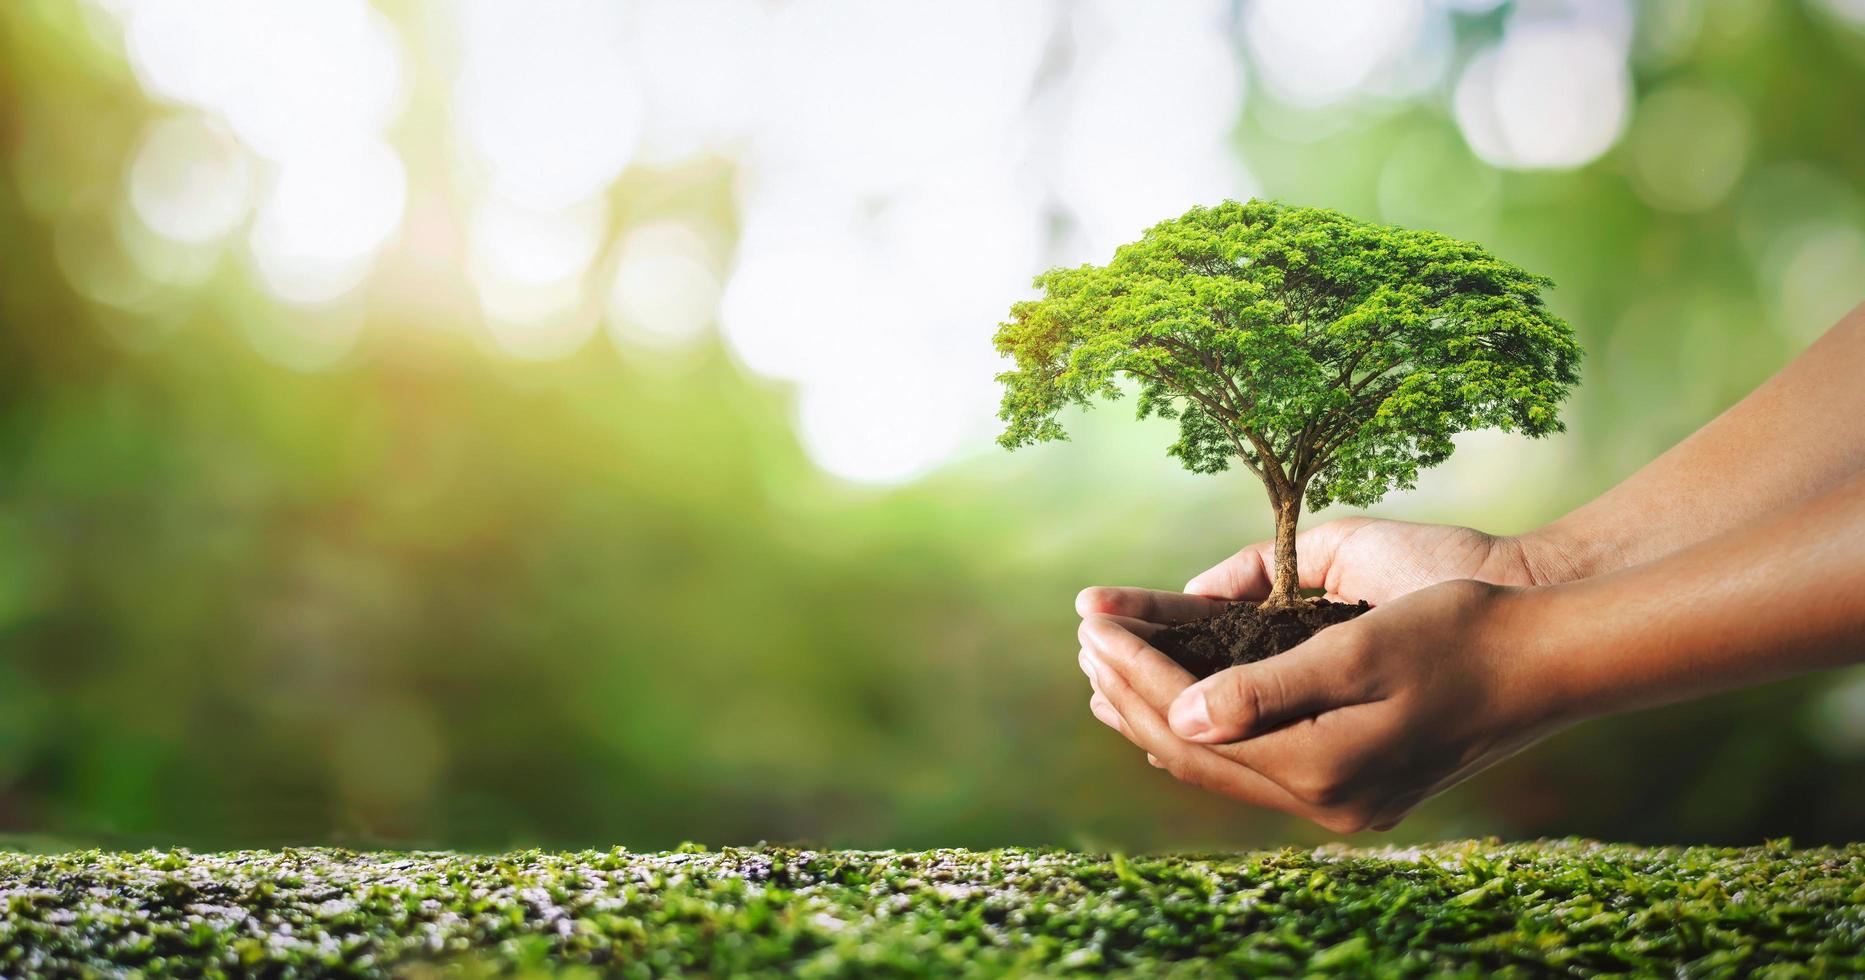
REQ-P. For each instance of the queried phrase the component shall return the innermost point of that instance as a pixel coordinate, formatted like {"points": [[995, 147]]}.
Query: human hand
{"points": [[1350, 559], [1351, 729], [1358, 558]]}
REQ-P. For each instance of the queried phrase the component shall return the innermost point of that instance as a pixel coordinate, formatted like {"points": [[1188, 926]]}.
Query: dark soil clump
{"points": [[1242, 635]]}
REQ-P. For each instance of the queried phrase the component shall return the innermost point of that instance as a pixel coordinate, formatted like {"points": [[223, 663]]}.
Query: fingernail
{"points": [[1105, 713], [1089, 667], [1190, 716]]}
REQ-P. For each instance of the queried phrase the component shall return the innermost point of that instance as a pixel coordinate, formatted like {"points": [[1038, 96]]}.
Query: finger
{"points": [[1105, 712], [1320, 675], [1123, 637], [1143, 629], [1119, 644], [1146, 682], [1151, 605], [1194, 764], [1249, 573], [1327, 760], [1113, 719]]}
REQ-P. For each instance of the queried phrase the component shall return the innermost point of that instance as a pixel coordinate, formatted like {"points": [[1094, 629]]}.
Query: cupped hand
{"points": [[1350, 559], [1358, 558], [1351, 729]]}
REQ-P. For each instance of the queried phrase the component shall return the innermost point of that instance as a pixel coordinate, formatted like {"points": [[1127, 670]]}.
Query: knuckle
{"points": [[1249, 701], [1320, 788], [1470, 592], [1355, 648], [1184, 773]]}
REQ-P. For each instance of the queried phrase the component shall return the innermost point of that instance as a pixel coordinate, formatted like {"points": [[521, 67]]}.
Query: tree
{"points": [[1333, 358]]}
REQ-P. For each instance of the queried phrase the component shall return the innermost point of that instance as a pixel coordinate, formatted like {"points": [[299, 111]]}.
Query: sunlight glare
{"points": [[1173, 67], [190, 181], [1316, 52], [665, 292], [323, 217], [877, 96], [536, 321], [531, 245], [285, 75], [544, 101], [697, 60], [879, 429], [1549, 96]]}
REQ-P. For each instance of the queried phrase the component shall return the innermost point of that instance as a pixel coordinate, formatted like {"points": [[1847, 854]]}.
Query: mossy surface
{"points": [[1466, 908]]}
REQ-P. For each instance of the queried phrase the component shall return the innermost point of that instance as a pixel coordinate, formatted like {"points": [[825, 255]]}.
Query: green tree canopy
{"points": [[1332, 357]]}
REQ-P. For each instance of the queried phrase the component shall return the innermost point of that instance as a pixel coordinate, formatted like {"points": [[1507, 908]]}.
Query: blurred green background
{"points": [[432, 424]]}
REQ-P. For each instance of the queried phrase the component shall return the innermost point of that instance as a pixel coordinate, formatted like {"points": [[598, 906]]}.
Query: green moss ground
{"points": [[1470, 908]]}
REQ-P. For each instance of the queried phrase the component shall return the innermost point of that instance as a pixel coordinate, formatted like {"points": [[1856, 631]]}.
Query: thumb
{"points": [[1249, 573], [1250, 699], [1244, 575]]}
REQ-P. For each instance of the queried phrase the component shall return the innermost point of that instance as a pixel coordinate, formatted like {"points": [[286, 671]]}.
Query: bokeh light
{"points": [[1848, 12], [1801, 229], [323, 216], [1552, 94], [1688, 146], [1174, 67], [312, 87], [1316, 53], [543, 102], [190, 180], [696, 61], [528, 245], [286, 75], [665, 289], [492, 424]]}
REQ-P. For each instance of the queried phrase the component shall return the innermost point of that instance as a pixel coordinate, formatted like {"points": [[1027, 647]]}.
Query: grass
{"points": [[1463, 908]]}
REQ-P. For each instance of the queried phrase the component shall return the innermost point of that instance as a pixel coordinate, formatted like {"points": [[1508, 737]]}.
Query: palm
{"points": [[1349, 560], [1379, 561]]}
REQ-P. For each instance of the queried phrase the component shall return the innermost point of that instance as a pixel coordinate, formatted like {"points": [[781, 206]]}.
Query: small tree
{"points": [[1333, 358]]}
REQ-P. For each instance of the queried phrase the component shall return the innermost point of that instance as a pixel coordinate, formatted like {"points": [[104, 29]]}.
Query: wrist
{"points": [[1557, 553], [1541, 657]]}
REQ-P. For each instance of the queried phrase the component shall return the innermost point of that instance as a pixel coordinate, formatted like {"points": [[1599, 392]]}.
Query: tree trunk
{"points": [[1282, 593]]}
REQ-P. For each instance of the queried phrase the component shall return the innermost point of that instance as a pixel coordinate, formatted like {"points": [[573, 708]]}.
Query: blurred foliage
{"points": [[433, 594]]}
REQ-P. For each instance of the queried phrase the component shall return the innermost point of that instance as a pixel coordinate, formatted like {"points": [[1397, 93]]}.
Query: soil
{"points": [[1243, 635]]}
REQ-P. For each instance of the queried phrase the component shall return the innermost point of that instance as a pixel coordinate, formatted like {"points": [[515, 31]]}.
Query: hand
{"points": [[1361, 558], [1353, 728], [1349, 559]]}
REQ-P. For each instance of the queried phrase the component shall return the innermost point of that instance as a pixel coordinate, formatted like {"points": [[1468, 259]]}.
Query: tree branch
{"points": [[1219, 414]]}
